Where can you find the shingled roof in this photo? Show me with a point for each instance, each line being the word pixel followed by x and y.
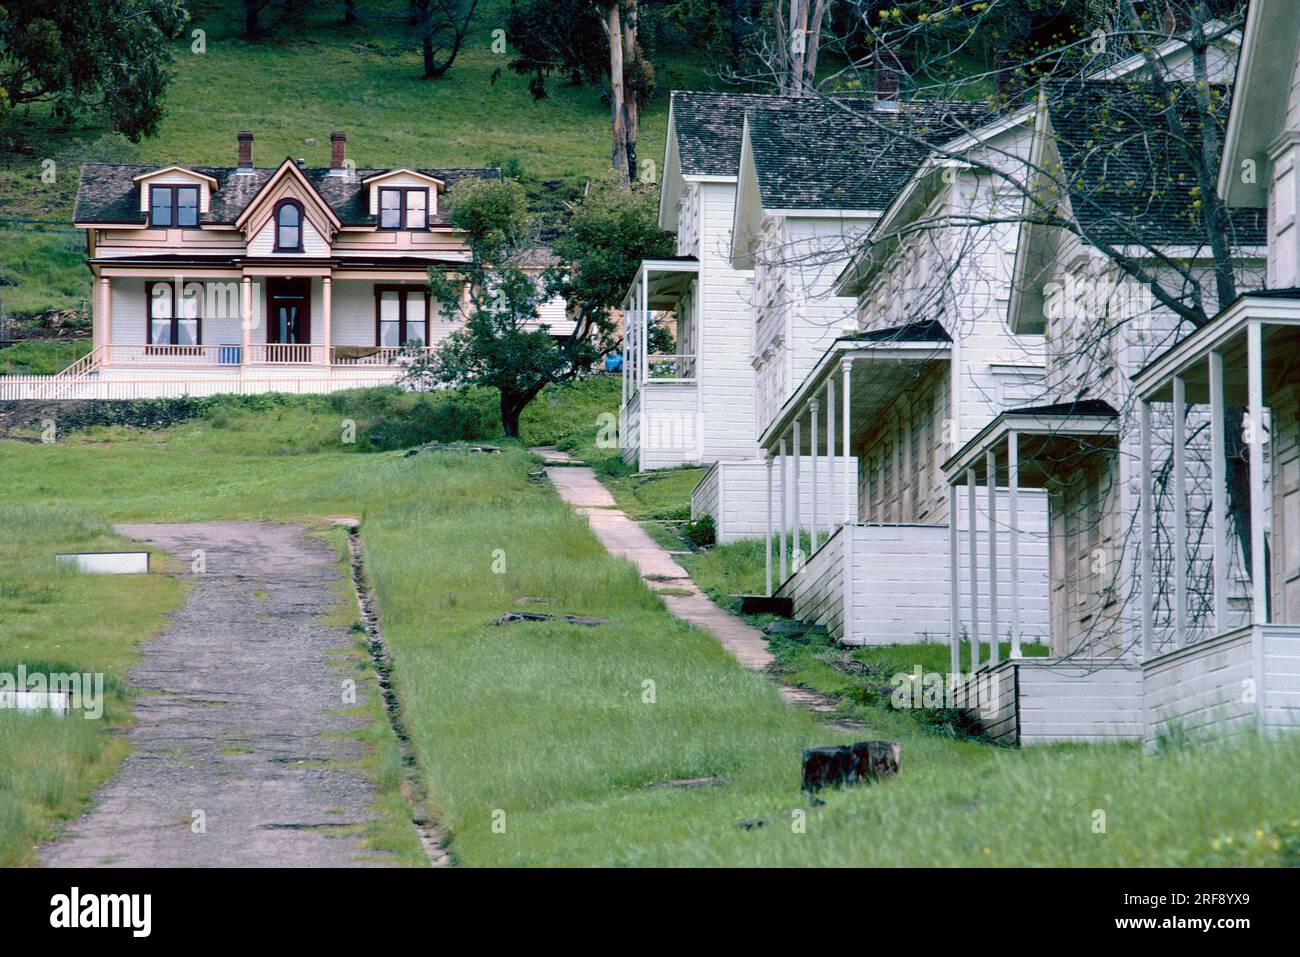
pixel 709 127
pixel 108 193
pixel 1129 178
pixel 847 154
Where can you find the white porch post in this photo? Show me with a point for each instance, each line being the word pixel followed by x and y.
pixel 954 581
pixel 973 518
pixel 767 540
pixel 830 454
pixel 643 338
pixel 104 317
pixel 812 469
pixel 784 486
pixel 846 366
pixel 1148 531
pixel 1218 494
pixel 246 322
pixel 1013 535
pixel 1179 478
pixel 796 548
pixel 327 303
pixel 991 468
pixel 1255 392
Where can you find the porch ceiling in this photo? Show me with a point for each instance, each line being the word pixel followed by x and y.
pixel 1052 444
pixel 1278 311
pixel 878 373
pixel 666 279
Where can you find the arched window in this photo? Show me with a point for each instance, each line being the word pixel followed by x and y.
pixel 288 226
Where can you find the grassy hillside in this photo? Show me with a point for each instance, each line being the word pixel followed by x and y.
pixel 292 90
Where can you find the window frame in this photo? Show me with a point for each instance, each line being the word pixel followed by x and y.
pixel 275 226
pixel 403 225
pixel 174 205
pixel 402 289
pixel 175 319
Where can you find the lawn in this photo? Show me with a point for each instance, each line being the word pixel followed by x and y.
pixel 548 744
pixel 296 88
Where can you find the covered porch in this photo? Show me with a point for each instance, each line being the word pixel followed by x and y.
pixel 659 408
pixel 1244 676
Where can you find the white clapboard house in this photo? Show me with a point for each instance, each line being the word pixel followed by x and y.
pixel 1079 441
pixel 1242 672
pixel 929 361
pixel 253 279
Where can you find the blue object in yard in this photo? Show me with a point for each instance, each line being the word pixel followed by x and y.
pixel 229 355
pixel 613 362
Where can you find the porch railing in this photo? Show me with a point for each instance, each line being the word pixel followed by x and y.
pixel 670 368
pixel 231 354
pixel 377 355
pixel 286 353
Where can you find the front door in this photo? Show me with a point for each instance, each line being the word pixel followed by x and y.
pixel 288 310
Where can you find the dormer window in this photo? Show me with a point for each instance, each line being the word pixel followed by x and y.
pixel 288 226
pixel 173 206
pixel 403 208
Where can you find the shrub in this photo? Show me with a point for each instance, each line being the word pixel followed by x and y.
pixel 701 533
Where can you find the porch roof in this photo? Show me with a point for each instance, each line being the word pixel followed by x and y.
pixel 666 279
pixel 1052 440
pixel 882 364
pixel 1279 312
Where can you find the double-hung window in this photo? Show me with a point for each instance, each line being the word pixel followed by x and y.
pixel 288 226
pixel 403 208
pixel 401 316
pixel 174 315
pixel 173 206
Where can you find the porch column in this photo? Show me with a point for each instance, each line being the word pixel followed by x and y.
pixel 1255 392
pixel 830 454
pixel 991 468
pixel 1148 531
pixel 246 322
pixel 796 548
pixel 1013 535
pixel 1218 494
pixel 846 367
pixel 104 317
pixel 644 338
pixel 812 469
pixel 954 581
pixel 326 302
pixel 1179 478
pixel 973 517
pixel 784 486
pixel 767 540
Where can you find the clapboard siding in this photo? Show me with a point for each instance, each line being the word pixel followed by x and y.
pixel 629 431
pixel 818 589
pixel 991 696
pixel 735 495
pixel 1097 700
pixel 1200 688
pixel 667 435
pixel 1281 691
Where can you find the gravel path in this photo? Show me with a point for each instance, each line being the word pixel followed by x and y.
pixel 237 717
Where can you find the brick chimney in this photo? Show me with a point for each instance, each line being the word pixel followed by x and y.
pixel 245 151
pixel 886 87
pixel 338 153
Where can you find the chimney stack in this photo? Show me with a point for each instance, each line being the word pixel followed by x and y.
pixel 886 88
pixel 245 151
pixel 338 153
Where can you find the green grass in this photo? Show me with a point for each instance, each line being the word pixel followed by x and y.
pixel 544 726
pixel 54 620
pixel 301 85
pixel 41 356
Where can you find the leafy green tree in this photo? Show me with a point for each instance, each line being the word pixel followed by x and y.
pixel 108 57
pixel 502 345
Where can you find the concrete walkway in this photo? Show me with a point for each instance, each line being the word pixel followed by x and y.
pixel 621 536
pixel 239 717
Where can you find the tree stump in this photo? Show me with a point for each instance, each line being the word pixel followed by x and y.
pixel 838 765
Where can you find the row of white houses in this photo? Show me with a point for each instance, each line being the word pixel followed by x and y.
pixel 944 432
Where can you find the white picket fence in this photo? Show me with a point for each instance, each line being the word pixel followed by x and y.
pixel 48 387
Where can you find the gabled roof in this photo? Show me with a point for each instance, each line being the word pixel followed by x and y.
pixel 925 330
pixel 1259 98
pixel 708 128
pixel 1129 178
pixel 177 169
pixel 108 192
pixel 847 154
pixel 288 170
pixel 402 171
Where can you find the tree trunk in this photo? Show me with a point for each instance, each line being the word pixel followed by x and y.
pixel 510 412
pixel 614 30
pixel 631 99
pixel 349 12
pixel 798 45
pixel 252 28
pixel 811 44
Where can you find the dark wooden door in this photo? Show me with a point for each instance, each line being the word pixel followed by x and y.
pixel 288 312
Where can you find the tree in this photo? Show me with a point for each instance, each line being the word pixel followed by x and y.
pixel 108 57
pixel 253 19
pixel 442 26
pixel 556 37
pixel 501 344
